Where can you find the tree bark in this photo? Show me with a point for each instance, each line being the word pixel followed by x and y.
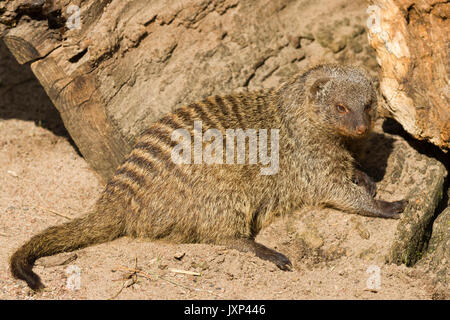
pixel 411 38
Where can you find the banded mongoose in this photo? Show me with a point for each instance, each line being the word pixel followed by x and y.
pixel 318 113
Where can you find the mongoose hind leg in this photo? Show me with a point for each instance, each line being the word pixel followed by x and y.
pixel 261 251
pixel 362 179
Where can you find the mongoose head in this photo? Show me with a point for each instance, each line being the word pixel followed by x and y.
pixel 342 99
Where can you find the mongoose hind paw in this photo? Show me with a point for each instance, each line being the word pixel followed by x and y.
pixel 279 259
pixel 262 252
pixel 283 263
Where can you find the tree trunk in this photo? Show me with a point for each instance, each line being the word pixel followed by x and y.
pixel 411 38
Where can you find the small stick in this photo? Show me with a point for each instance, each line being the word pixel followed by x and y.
pixel 54 212
pixel 185 272
pixel 118 292
pixel 127 283
pixel 148 276
pixel 371 290
pixel 4 235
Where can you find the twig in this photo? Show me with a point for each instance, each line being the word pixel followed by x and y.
pixel 117 293
pixel 54 212
pixel 4 234
pixel 371 290
pixel 148 276
pixel 127 283
pixel 185 272
pixel 130 280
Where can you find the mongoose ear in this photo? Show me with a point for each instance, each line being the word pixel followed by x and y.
pixel 317 86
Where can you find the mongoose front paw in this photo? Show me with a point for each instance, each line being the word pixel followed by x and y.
pixel 393 209
pixel 399 206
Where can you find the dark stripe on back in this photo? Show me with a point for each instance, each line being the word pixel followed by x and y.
pixel 203 116
pixel 260 106
pixel 114 183
pixel 161 134
pixel 134 176
pixel 236 110
pixel 170 122
pixel 154 150
pixel 223 107
pixel 217 112
pixel 185 116
pixel 140 161
pixel 160 154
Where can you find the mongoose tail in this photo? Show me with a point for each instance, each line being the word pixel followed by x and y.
pixel 76 234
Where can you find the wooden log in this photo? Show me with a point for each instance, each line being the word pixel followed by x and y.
pixel 411 38
pixel 28 44
pixel 83 113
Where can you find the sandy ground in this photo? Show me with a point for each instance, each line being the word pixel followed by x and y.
pixel 44 181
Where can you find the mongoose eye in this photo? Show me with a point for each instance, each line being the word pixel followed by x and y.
pixel 367 107
pixel 341 108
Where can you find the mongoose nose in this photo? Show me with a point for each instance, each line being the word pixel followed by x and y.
pixel 361 129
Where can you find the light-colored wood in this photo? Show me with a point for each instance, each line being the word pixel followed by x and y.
pixel 411 38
